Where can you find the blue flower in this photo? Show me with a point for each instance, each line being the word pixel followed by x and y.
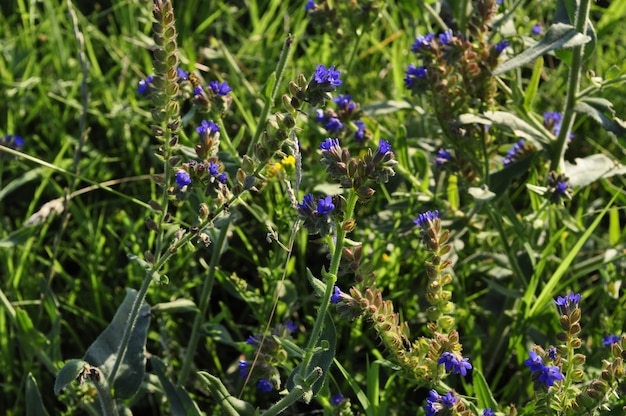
pixel 291 327
pixel 567 304
pixel 264 385
pixel 552 353
pixel 214 169
pixel 414 73
pixel 144 84
pixel 182 178
pixel 422 41
pixel 448 400
pixel 536 29
pixel 336 399
pixel 13 141
pixel 550 374
pixel 207 128
pixel 501 46
pixel 383 147
pixel 329 143
pixel 251 340
pixel 430 408
pixel 243 369
pixel 307 202
pixel 359 134
pixel 561 187
pixel 197 90
pixel 513 152
pixel 535 363
pixel 424 220
pixel 336 296
pixel 330 75
pixel 222 177
pixel 449 360
pixel 488 412
pixel 445 37
pixel 552 120
pixel 462 367
pixel 325 205
pixel 182 74
pixel 333 124
pixel 344 102
pixel 310 4
pixel 611 339
pixel 443 156
pixel 220 89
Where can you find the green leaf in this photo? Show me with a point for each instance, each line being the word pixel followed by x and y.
pixel 230 404
pixel 179 400
pixel 591 168
pixel 381 108
pixel 266 91
pixel 103 352
pixel 67 374
pixel 595 109
pixel 509 121
pixel 558 36
pixel 533 84
pixel 318 286
pixel 34 403
pixel 483 393
pixel 176 306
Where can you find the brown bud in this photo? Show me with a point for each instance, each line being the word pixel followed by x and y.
pixel 149 256
pixel 151 225
pixel 155 205
pixel 348 225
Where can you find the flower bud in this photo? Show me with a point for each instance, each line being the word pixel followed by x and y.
pixel 203 211
pixel 151 225
pixel 577 375
pixel 348 225
pixel 579 359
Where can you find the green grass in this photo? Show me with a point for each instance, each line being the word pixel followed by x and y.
pixel 63 278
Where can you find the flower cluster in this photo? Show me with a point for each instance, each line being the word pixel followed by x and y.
pixel 317 217
pixel 344 121
pixel 552 121
pixel 216 94
pixel 518 151
pixel 545 375
pixel 435 402
pixel 269 358
pixel 452 363
pixel 376 166
pixel 558 188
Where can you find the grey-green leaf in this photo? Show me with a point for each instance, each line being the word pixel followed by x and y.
pixel 591 168
pixel 595 109
pixel 179 400
pixel 34 403
pixel 67 374
pixel 103 352
pixel 558 36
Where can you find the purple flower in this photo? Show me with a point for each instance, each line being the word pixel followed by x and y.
pixel 329 143
pixel 214 169
pixel 433 396
pixel 536 29
pixel 488 412
pixel 222 177
pixel 251 340
pixel 535 363
pixel 430 408
pixel 501 46
pixel 550 374
pixel 414 73
pixel 336 296
pixel 513 152
pixel 561 187
pixel 336 399
pixel 310 4
pixel 220 89
pixel 422 41
pixel 182 178
pixel 611 339
pixel 359 134
pixel 424 219
pixel 197 90
pixel 344 102
pixel 207 128
pixel 449 360
pixel 445 37
pixel 291 327
pixel 462 367
pixel 330 75
pixel 13 141
pixel 567 304
pixel 443 156
pixel 383 147
pixel 448 400
pixel 182 74
pixel 144 85
pixel 333 124
pixel 325 205
pixel 307 202
pixel 552 353
pixel 264 385
pixel 243 369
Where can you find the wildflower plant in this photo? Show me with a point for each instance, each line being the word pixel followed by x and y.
pixel 341 208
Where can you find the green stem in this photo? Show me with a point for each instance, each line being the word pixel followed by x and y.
pixel 269 101
pixel 295 394
pixel 204 306
pixel 574 77
pixel 331 279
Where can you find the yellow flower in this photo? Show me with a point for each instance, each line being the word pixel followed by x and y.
pixel 288 164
